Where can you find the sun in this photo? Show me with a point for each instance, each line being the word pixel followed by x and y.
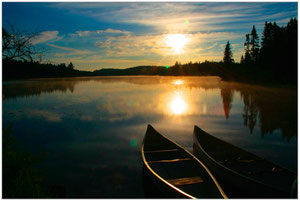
pixel 176 42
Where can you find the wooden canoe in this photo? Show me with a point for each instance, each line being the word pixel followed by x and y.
pixel 174 171
pixel 240 173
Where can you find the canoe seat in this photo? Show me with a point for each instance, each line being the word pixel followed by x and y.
pixel 170 161
pixel 158 151
pixel 185 181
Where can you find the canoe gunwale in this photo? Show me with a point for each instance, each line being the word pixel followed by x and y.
pixel 198 145
pixel 167 183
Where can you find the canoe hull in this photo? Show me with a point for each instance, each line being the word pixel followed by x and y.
pixel 235 185
pixel 174 172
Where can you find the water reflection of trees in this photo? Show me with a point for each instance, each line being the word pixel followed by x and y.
pixel 250 110
pixel 227 96
pixel 36 87
pixel 272 108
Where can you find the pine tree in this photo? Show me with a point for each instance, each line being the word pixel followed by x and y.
pixel 247 43
pixel 254 43
pixel 247 58
pixel 292 48
pixel 242 60
pixel 267 36
pixel 267 44
pixel 70 66
pixel 227 59
pixel 176 64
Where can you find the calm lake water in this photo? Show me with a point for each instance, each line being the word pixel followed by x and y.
pixel 93 128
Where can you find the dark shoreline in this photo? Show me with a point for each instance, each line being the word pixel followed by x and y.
pixel 256 83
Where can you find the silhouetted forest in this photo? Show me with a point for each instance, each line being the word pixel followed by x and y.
pixel 17 69
pixel 199 69
pixel 273 60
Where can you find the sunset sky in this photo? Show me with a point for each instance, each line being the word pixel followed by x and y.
pixel 119 35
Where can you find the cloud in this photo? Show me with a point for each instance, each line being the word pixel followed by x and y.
pixel 97 59
pixel 212 46
pixel 139 45
pixel 82 33
pixel 114 31
pixel 216 36
pixel 170 16
pixel 45 36
pixel 72 51
pixel 109 31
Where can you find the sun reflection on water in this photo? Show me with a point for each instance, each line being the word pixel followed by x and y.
pixel 178 105
pixel 178 82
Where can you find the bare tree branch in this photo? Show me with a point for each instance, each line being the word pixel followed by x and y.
pixel 18 45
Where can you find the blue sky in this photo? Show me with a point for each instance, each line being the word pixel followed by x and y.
pixel 99 35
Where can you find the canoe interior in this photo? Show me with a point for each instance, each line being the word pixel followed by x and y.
pixel 245 163
pixel 174 165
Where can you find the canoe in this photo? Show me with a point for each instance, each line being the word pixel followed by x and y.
pixel 240 173
pixel 174 171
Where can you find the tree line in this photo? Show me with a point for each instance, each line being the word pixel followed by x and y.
pixel 18 69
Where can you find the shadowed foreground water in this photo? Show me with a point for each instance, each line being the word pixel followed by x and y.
pixel 92 128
